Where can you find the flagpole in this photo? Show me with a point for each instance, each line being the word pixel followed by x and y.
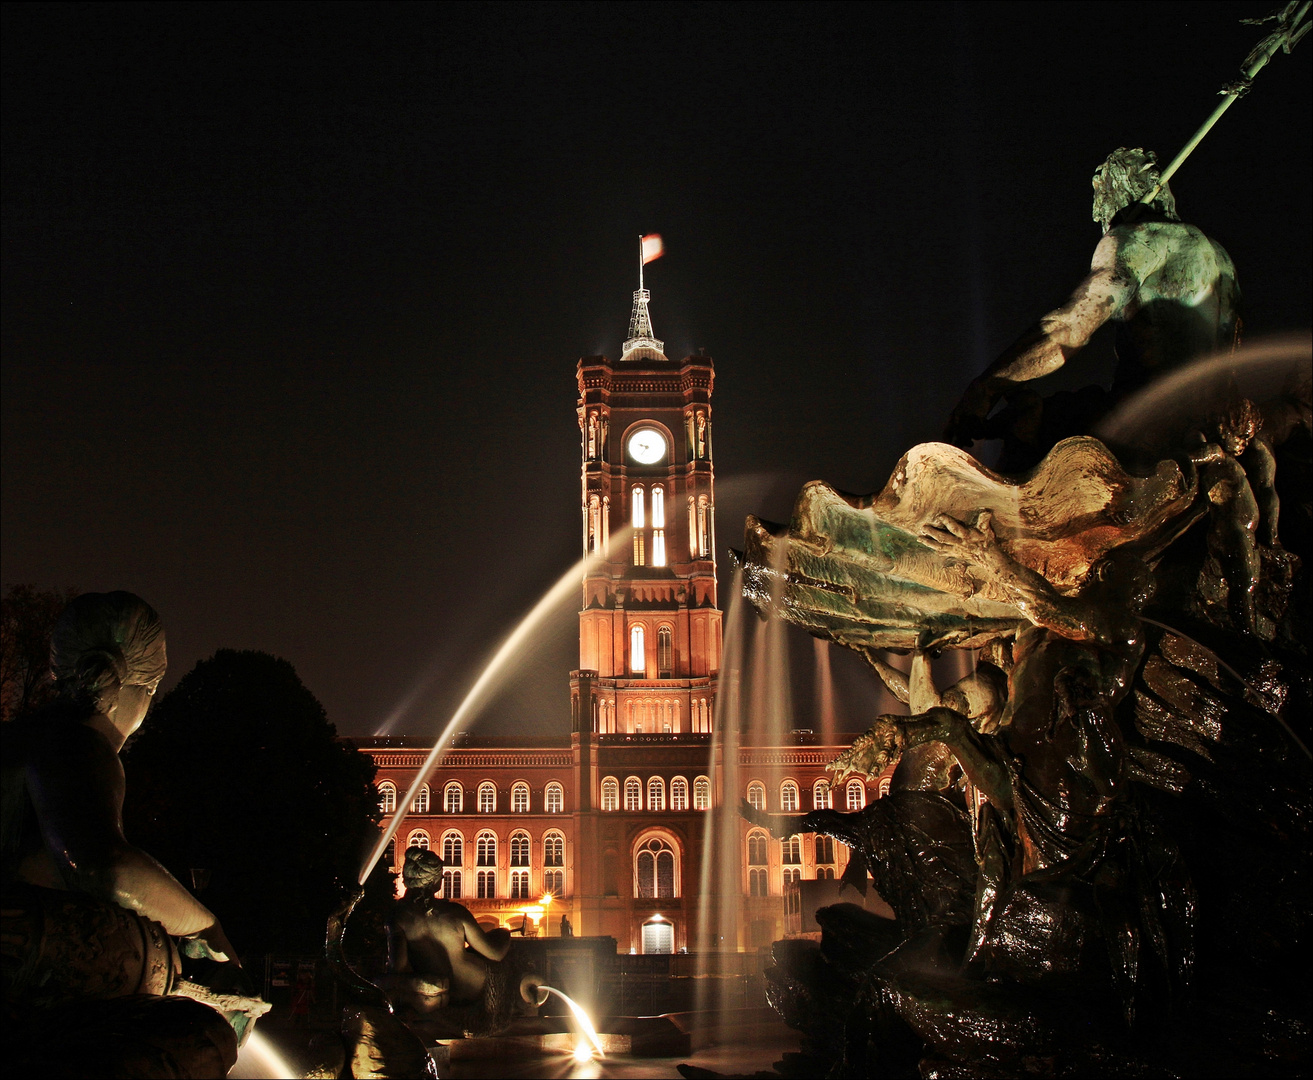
pixel 640 262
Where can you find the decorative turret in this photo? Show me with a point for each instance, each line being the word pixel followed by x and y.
pixel 641 344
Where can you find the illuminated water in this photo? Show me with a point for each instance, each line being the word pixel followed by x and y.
pixel 258 1060
pixel 491 679
pixel 583 1051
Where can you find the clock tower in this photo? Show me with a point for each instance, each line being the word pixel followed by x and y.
pixel 649 630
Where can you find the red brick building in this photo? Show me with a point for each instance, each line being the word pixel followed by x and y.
pixel 610 820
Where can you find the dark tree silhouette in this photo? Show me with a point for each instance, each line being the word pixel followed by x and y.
pixel 27 616
pixel 237 773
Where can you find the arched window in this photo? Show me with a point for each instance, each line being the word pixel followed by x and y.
pixel 451 884
pixel 656 793
pixel 519 884
pixel 704 545
pixel 824 850
pixel 679 794
pixel 420 803
pixel 758 883
pixel 665 651
pixel 553 849
pixel 789 797
pixel 883 789
pixel 821 799
pixel 519 849
pixel 791 851
pixel 610 793
pixel 658 507
pixel 825 873
pixel 757 795
pixel 554 883
pixel 702 793
pixel 520 798
pixel 487 797
pixel 633 793
pixel 453 798
pixel 487 884
pixel 638 516
pixel 387 797
pixel 655 866
pixel 856 792
pixel 757 848
pixel 554 798
pixel 792 875
pixel 419 838
pixel 485 848
pixel 637 650
pixel 453 849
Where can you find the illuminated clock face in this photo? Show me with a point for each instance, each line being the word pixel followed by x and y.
pixel 646 446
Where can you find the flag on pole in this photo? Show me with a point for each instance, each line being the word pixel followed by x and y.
pixel 652 248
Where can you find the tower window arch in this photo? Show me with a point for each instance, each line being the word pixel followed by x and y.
pixel 420 803
pixel 679 794
pixel 637 507
pixel 757 795
pixel 702 793
pixel 487 797
pixel 856 794
pixel 637 649
pixel 610 793
pixel 554 798
pixel 656 793
pixel 387 797
pixel 789 797
pixel 633 793
pixel 658 507
pixel 655 869
pixel 520 798
pixel 665 651
pixel 453 798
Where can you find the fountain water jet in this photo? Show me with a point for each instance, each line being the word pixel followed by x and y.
pixel 581 1018
pixel 258 1058
pixel 480 692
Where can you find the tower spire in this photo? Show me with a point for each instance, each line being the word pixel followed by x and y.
pixel 641 344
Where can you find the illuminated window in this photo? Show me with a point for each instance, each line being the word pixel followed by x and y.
pixel 791 851
pixel 637 650
pixel 821 798
pixel 520 798
pixel 757 795
pixel 633 793
pixel 486 850
pixel 757 881
pixel 856 792
pixel 665 651
pixel 824 850
pixel 387 797
pixel 487 884
pixel 658 547
pixel 703 543
pixel 453 798
pixel 792 877
pixel 453 849
pixel 553 849
pixel 639 558
pixel 487 797
pixel 655 864
pixel 451 884
pixel 656 793
pixel 520 849
pixel 419 838
pixel 678 794
pixel 757 849
pixel 789 797
pixel 825 873
pixel 554 882
pixel 420 803
pixel 519 884
pixel 637 518
pixel 610 793
pixel 701 793
pixel 658 506
pixel 554 798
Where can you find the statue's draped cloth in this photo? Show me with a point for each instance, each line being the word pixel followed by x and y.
pixel 859 575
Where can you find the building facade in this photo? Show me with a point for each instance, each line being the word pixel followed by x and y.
pixel 610 822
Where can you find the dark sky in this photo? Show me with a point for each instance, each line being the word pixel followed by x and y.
pixel 293 294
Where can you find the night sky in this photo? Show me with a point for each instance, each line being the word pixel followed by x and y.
pixel 293 294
